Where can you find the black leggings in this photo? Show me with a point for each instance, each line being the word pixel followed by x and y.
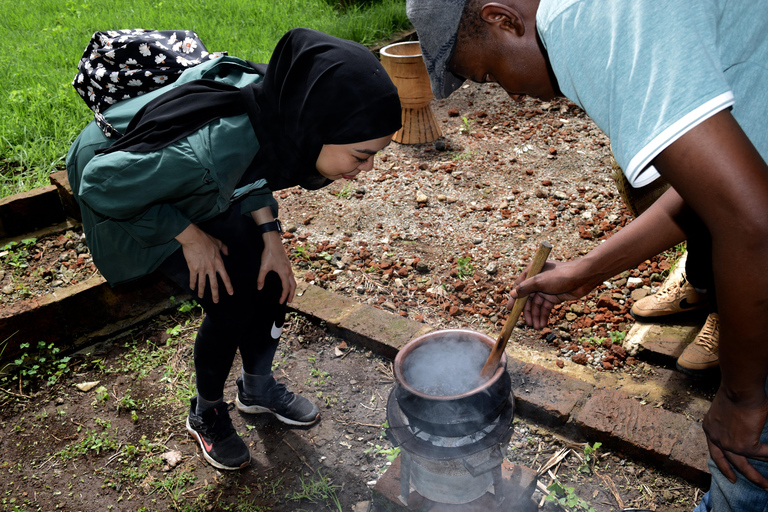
pixel 250 320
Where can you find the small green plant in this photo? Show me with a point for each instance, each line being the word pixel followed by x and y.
pixel 465 269
pixel 347 191
pixel 16 253
pixel 42 364
pixel 319 489
pixel 188 306
pixel 617 337
pixel 102 395
pixel 390 453
pixel 302 252
pixel 464 128
pixel 590 458
pixel 567 498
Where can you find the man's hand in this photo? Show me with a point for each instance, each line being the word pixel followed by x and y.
pixel 733 434
pixel 556 283
pixel 203 254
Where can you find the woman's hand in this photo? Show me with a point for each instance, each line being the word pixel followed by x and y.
pixel 203 254
pixel 556 283
pixel 275 259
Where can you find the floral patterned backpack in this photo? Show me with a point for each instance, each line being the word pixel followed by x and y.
pixel 121 64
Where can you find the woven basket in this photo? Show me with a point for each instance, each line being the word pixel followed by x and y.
pixel 637 200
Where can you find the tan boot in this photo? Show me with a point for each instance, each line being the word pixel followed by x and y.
pixel 675 297
pixel 703 352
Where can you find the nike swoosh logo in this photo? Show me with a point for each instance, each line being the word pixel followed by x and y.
pixel 208 446
pixel 276 331
pixel 684 304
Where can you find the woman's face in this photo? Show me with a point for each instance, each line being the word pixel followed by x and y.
pixel 338 161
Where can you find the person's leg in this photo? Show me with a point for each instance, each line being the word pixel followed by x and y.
pixel 218 338
pixel 702 356
pixel 698 265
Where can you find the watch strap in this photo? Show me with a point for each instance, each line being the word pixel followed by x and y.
pixel 271 226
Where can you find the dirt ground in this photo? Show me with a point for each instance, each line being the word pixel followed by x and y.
pixel 437 232
pixel 122 444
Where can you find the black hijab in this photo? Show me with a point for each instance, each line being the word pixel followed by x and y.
pixel 317 89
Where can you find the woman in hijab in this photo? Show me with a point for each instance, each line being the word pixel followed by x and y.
pixel 188 190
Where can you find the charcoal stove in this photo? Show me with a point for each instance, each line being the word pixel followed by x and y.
pixel 450 446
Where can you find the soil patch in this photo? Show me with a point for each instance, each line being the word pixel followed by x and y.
pixel 122 444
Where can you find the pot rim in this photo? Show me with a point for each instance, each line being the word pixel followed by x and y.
pixel 385 50
pixel 428 337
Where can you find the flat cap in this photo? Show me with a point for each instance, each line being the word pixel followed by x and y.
pixel 436 23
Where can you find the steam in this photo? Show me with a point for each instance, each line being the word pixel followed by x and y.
pixel 446 366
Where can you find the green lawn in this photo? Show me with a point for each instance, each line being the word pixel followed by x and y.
pixel 43 40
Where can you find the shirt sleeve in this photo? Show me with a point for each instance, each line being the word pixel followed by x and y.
pixel 645 72
pixel 153 196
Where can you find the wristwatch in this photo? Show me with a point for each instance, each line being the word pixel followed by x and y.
pixel 271 226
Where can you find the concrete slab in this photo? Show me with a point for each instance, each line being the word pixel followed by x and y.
pixel 373 328
pixel 545 396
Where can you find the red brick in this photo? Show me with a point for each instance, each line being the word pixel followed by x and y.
pixel 622 422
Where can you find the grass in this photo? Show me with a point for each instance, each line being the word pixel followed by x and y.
pixel 43 40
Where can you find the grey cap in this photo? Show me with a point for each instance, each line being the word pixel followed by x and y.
pixel 436 23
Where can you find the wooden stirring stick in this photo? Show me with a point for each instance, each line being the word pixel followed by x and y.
pixel 501 343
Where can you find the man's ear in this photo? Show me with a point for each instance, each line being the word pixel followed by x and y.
pixel 501 16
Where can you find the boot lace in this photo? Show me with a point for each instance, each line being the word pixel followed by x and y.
pixel 710 333
pixel 671 289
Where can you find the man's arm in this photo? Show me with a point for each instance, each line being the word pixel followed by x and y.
pixel 721 176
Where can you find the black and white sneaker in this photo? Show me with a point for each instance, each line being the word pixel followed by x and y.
pixel 288 407
pixel 221 445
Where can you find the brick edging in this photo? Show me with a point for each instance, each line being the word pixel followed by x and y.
pixel 566 404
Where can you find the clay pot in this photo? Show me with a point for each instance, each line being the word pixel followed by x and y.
pixel 451 415
pixel 405 66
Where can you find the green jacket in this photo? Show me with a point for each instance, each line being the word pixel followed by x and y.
pixel 134 204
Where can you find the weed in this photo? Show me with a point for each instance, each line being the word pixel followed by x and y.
pixel 590 459
pixel 189 306
pixel 617 337
pixel 319 489
pixel 301 252
pixel 390 453
pixel 566 498
pixel 462 156
pixel 101 396
pixel 42 364
pixel 92 442
pixel 347 191
pixel 464 128
pixel 466 269
pixel 175 484
pixel 16 253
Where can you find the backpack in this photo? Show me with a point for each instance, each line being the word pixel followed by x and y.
pixel 121 64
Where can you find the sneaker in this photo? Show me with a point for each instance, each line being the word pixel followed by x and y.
pixel 288 407
pixel 702 354
pixel 675 297
pixel 221 445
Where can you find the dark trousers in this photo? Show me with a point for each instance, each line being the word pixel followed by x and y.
pixel 246 320
pixel 698 264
